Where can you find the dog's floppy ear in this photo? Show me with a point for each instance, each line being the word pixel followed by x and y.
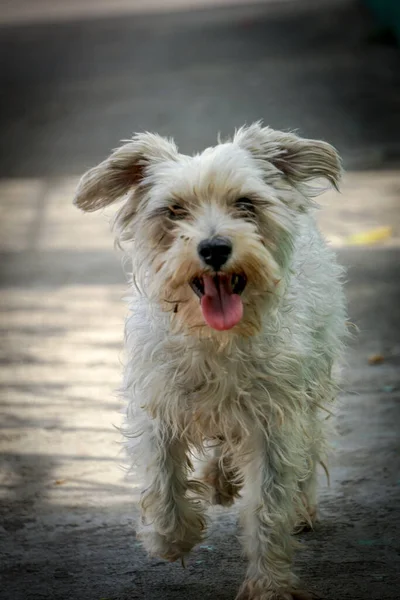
pixel 299 160
pixel 123 170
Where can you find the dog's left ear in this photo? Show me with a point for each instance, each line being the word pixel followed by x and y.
pixel 299 160
pixel 123 171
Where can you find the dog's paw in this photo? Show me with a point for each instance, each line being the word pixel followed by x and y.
pixel 159 545
pixel 258 590
pixel 223 487
pixel 308 522
pixel 168 547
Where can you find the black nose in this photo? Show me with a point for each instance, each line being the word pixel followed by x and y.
pixel 215 251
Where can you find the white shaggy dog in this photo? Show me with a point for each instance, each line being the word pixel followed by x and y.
pixel 237 317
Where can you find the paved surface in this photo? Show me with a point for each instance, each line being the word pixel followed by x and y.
pixel 70 91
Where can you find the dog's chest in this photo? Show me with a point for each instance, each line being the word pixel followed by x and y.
pixel 215 400
pixel 209 414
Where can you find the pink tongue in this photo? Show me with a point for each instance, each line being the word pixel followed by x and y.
pixel 221 308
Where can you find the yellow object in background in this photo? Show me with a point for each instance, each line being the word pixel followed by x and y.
pixel 376 359
pixel 373 236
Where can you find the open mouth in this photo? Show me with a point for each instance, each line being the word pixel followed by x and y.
pixel 235 282
pixel 220 299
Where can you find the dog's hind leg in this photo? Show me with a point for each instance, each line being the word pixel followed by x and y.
pixel 172 512
pixel 308 516
pixel 309 513
pixel 222 477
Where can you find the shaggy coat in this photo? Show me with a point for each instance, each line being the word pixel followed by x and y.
pixel 237 360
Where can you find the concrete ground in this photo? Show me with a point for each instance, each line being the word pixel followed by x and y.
pixel 70 91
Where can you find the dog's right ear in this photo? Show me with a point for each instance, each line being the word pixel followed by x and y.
pixel 123 171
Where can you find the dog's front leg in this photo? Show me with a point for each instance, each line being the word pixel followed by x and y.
pixel 271 489
pixel 172 517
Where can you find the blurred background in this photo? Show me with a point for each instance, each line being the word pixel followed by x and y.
pixel 76 78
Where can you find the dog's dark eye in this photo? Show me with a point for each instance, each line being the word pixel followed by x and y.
pixel 245 205
pixel 176 212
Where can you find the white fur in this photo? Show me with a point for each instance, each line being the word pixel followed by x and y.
pixel 256 392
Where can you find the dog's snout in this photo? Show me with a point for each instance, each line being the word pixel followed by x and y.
pixel 215 251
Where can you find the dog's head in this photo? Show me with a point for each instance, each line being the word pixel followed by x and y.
pixel 212 234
